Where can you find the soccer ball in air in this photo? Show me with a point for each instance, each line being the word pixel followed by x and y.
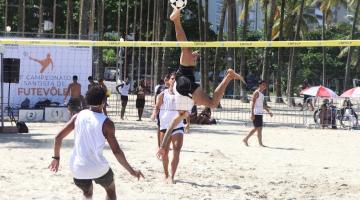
pixel 179 4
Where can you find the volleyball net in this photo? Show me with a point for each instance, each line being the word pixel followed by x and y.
pixel 42 69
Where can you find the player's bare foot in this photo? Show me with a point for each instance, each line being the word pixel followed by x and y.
pixel 262 145
pixel 231 74
pixel 245 142
pixel 175 15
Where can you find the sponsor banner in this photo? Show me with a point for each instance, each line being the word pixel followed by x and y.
pixel 46 72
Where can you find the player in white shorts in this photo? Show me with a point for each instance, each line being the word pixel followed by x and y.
pixel 187 92
pixel 165 106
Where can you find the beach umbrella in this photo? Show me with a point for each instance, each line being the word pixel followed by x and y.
pixel 354 92
pixel 319 91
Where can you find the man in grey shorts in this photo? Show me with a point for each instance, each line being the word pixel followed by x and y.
pixel 87 163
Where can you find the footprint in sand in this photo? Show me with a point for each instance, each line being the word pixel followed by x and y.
pixel 218 154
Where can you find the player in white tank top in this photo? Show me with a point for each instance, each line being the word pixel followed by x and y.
pixel 257 110
pixel 91 130
pixel 166 105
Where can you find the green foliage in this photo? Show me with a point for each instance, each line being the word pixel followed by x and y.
pixel 109 57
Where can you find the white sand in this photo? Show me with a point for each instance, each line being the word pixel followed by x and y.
pixel 301 164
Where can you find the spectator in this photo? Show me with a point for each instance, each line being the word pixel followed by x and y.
pixel 107 93
pixel 124 92
pixel 140 99
pixel 307 98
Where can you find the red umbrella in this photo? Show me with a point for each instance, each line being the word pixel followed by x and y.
pixel 319 91
pixel 354 92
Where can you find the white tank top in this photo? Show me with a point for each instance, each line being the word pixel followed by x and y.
pixel 168 111
pixel 87 160
pixel 259 104
pixel 124 90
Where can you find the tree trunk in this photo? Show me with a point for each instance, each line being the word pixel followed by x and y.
pixel 126 33
pixel 54 19
pixel 154 28
pixel 92 20
pixel 147 39
pixel 85 6
pixel 231 37
pixel 280 68
pixel 21 21
pixel 158 38
pixel 69 20
pixel 206 50
pixel 41 19
pixel 267 52
pixel 323 49
pixel 219 38
pixel 134 49
pixel 201 38
pixel 118 18
pixel 348 60
pixel 243 94
pixel 168 26
pixel 290 83
pixel 100 27
pixel 140 39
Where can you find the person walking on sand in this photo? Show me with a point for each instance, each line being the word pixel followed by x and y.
pixel 140 99
pixel 257 109
pixel 87 163
pixel 124 92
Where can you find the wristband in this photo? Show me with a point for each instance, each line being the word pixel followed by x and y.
pixel 56 157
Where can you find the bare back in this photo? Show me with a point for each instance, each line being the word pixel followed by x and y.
pixel 75 90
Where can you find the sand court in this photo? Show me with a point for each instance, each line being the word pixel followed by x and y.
pixel 214 164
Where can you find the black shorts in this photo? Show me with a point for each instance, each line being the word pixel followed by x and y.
pixel 124 98
pixel 185 81
pixel 104 181
pixel 74 104
pixel 140 103
pixel 174 130
pixel 258 121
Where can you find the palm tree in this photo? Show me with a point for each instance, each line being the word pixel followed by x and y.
pixel 201 38
pixel 168 27
pixel 325 7
pixel 219 38
pixel 118 17
pixel 85 6
pixel 245 18
pixel 291 70
pixel 69 21
pixel 126 33
pixel 147 39
pixel 267 52
pixel 92 18
pixel 232 37
pixel 140 38
pixel 280 56
pixel 100 26
pixel 5 13
pixel 134 26
pixel 348 60
pixel 206 51
pixel 21 21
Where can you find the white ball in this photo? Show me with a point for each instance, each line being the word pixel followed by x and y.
pixel 178 4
